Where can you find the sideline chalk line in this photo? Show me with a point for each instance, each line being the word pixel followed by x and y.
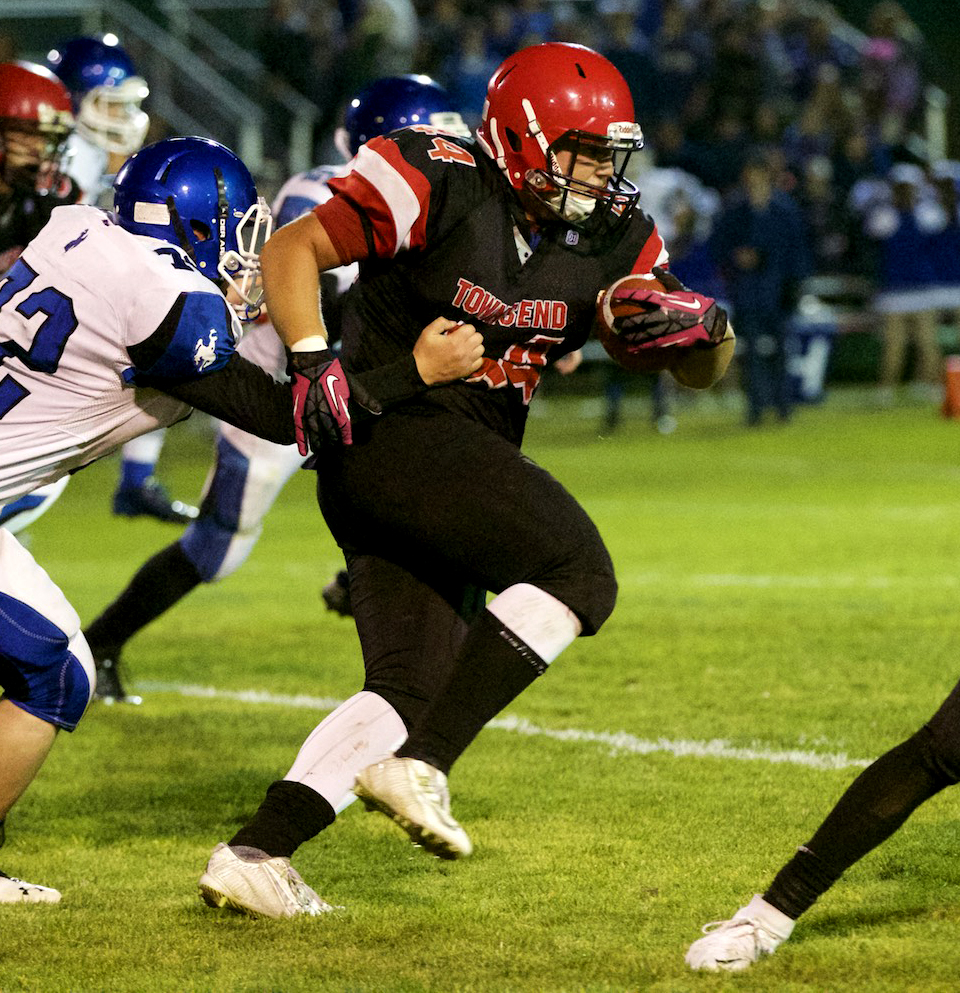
pixel 617 742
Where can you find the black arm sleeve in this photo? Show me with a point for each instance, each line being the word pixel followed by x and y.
pixel 390 384
pixel 243 395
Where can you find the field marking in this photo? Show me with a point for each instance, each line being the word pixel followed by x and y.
pixel 783 581
pixel 617 742
pixel 916 512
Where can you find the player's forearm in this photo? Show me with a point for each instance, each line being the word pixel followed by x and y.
pixel 291 262
pixel 700 368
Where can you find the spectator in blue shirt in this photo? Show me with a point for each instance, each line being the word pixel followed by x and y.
pixel 760 244
pixel 902 230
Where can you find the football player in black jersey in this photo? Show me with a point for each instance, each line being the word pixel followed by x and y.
pixel 36 117
pixel 506 241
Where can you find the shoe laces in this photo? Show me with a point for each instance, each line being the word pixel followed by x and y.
pixel 434 786
pixel 712 926
pixel 751 930
pixel 302 894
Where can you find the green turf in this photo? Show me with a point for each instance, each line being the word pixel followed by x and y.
pixel 790 591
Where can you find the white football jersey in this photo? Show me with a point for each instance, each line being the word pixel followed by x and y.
pixel 92 320
pixel 86 164
pixel 302 192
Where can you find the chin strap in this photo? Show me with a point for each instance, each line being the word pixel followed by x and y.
pixel 180 230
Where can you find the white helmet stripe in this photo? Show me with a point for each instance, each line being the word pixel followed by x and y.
pixel 498 144
pixel 534 125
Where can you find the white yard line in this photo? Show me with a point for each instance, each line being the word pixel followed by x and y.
pixel 615 742
pixel 782 581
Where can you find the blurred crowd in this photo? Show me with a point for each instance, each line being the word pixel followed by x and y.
pixel 782 143
pixel 835 112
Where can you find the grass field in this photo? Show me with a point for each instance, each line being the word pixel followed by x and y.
pixel 788 610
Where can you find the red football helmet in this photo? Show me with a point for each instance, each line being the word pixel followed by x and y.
pixel 560 96
pixel 35 118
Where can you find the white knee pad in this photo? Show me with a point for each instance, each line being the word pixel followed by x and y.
pixel 540 620
pixel 24 580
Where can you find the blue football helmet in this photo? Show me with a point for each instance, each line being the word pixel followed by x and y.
pixel 397 102
pixel 107 93
pixel 195 193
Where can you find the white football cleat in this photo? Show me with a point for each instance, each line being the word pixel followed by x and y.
pixel 251 882
pixel 755 930
pixel 17 891
pixel 414 794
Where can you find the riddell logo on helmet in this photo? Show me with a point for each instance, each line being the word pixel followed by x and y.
pixel 481 303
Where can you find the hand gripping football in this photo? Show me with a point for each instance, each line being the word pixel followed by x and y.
pixel 641 312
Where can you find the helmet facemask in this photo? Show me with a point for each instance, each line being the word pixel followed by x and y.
pixel 33 150
pixel 231 247
pixel 584 180
pixel 240 266
pixel 111 116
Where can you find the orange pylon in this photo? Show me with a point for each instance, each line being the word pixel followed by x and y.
pixel 951 393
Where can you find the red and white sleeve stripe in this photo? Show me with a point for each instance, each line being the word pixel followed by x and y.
pixel 391 193
pixel 654 252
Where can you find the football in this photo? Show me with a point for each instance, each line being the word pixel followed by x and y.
pixel 647 360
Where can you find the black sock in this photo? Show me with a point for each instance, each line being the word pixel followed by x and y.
pixel 877 802
pixel 157 586
pixel 493 667
pixel 797 885
pixel 290 814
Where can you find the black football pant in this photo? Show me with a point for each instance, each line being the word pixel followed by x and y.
pixel 432 511
pixel 878 801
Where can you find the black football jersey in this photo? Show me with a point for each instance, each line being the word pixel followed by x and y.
pixel 24 214
pixel 441 228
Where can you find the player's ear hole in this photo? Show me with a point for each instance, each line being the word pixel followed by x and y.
pixel 201 230
pixel 514 139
